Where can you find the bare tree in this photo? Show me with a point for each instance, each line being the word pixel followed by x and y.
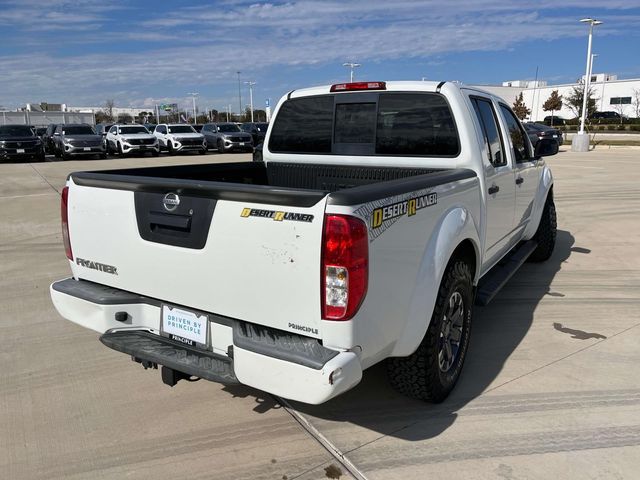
pixel 619 108
pixel 108 108
pixel 636 101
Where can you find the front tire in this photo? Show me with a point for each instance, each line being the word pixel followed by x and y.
pixel 546 234
pixel 170 148
pixel 220 146
pixel 431 372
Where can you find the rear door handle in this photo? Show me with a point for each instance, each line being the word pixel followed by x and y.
pixel 493 189
pixel 519 181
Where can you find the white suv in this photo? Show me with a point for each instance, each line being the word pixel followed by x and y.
pixel 180 137
pixel 127 139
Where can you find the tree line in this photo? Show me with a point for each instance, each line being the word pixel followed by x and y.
pixel 574 102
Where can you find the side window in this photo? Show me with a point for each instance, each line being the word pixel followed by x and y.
pixel 488 121
pixel 162 129
pixel 112 130
pixel 517 135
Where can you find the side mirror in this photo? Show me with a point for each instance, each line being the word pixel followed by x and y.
pixel 546 147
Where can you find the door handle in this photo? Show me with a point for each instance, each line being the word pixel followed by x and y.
pixel 493 189
pixel 519 181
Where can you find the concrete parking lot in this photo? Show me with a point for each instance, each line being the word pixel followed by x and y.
pixel 550 389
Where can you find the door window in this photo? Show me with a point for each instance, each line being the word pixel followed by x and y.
pixel 517 135
pixel 489 123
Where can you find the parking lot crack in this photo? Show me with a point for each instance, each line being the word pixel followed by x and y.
pixel 43 178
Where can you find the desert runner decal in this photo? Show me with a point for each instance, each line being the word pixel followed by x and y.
pixel 278 216
pixel 406 207
pixel 381 214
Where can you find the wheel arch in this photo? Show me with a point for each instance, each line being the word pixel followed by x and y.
pixel 456 236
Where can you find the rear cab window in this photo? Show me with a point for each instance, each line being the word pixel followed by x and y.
pixel 383 124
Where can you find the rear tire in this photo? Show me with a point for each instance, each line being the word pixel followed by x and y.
pixel 431 372
pixel 546 234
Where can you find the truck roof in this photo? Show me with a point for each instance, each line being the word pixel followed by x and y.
pixel 391 86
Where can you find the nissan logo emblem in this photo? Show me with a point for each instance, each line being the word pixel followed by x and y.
pixel 171 202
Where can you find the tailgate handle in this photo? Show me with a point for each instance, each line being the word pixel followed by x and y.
pixel 159 220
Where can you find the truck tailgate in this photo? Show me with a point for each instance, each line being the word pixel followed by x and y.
pixel 251 261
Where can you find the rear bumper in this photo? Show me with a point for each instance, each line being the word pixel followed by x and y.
pixel 284 364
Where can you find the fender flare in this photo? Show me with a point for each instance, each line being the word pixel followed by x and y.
pixel 456 226
pixel 544 187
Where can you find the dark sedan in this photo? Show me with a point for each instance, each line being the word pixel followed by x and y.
pixel 19 142
pixel 256 129
pixel 537 132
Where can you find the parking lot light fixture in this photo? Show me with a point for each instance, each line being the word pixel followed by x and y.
pixel 585 96
pixel 351 66
pixel 239 95
pixel 251 84
pixel 193 97
pixel 580 141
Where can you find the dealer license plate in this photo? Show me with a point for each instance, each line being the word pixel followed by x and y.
pixel 184 326
pixel 555 136
pixel 242 144
pixel 87 149
pixel 20 150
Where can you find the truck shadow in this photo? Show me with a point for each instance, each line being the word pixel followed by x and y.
pixel 497 331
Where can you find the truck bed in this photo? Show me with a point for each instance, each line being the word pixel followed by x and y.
pixel 293 184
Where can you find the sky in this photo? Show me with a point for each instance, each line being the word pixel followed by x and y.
pixel 140 52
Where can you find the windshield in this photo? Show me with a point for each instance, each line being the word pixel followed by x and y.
pixel 181 129
pixel 228 127
pixel 134 129
pixel 78 130
pixel 16 131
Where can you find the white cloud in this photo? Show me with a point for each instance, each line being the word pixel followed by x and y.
pixel 206 45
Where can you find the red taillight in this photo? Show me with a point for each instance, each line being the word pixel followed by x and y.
pixel 65 222
pixel 345 87
pixel 345 266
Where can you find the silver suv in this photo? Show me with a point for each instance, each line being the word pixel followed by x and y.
pixel 227 137
pixel 77 139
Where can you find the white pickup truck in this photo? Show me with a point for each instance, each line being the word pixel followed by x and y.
pixel 381 213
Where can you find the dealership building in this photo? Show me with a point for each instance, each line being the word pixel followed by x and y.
pixel 611 93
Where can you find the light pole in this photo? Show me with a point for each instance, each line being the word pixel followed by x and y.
pixel 193 97
pixel 351 66
pixel 239 95
pixel 251 84
pixel 592 22
pixel 580 141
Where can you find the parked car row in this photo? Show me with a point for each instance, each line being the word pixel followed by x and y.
pixel 80 140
